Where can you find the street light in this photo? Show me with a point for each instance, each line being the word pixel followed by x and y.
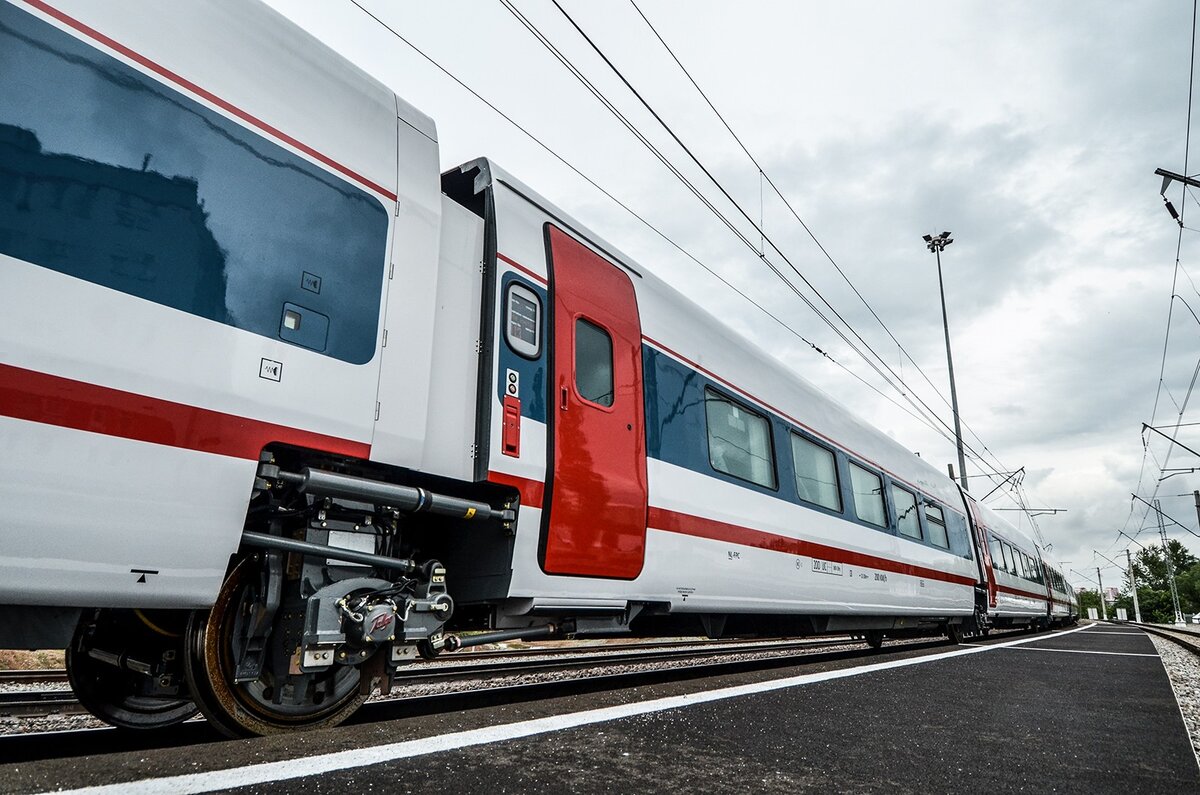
pixel 937 245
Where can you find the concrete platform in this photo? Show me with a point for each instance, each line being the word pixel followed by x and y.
pixel 1083 711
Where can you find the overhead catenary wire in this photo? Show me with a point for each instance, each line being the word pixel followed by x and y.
pixel 795 214
pixel 658 154
pixel 567 63
pixel 1146 454
pixel 644 221
pixel 578 172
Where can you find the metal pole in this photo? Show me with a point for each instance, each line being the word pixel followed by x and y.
pixel 1162 531
pixel 962 460
pixel 1137 609
pixel 1103 607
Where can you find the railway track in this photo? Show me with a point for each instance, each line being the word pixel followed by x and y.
pixel 34 675
pixel 1188 640
pixel 465 667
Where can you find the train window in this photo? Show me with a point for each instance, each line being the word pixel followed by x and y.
pixel 907 520
pixel 1006 557
pixel 868 496
pixel 816 474
pixel 523 321
pixel 997 552
pixel 739 441
pixel 935 520
pixel 1010 559
pixel 187 209
pixel 593 363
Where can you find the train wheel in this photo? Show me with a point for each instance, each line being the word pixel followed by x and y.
pixel 123 666
pixel 875 639
pixel 955 633
pixel 273 703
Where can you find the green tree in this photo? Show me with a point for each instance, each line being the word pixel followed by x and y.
pixel 1154 590
pixel 1089 599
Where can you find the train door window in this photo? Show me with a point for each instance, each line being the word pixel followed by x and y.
pixel 935 520
pixel 523 321
pixel 868 496
pixel 739 441
pixel 816 474
pixel 593 363
pixel 908 522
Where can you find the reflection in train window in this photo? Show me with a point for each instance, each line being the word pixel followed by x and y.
pixel 936 522
pixel 162 198
pixel 816 474
pixel 739 441
pixel 868 496
pixel 593 363
pixel 907 519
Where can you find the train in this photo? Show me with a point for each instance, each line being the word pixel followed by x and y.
pixel 284 408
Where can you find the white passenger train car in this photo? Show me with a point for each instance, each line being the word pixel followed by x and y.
pixel 283 408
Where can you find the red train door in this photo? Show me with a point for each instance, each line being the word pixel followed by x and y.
pixel 985 551
pixel 595 524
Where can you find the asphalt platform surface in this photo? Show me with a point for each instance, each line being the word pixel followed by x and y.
pixel 1085 711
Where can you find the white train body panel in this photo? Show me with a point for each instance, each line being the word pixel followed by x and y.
pixel 145 420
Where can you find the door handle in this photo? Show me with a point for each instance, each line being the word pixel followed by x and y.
pixel 562 398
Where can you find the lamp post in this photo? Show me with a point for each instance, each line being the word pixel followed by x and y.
pixel 937 245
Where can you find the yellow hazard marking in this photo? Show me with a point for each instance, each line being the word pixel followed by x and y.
pixel 470 513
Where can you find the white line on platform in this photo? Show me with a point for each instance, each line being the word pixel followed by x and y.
pixel 1110 632
pixel 267 772
pixel 1084 651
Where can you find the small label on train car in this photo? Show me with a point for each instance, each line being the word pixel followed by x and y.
pixel 827 567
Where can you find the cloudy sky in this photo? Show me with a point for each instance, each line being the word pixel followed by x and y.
pixel 1029 130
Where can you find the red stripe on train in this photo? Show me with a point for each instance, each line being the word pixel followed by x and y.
pixel 228 107
pixel 533 493
pixel 1019 592
pixel 699 527
pixel 53 400
pixel 537 277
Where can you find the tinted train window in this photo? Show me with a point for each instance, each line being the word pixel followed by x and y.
pixel 868 496
pixel 907 519
pixel 593 363
pixel 997 553
pixel 816 474
pixel 936 522
pixel 739 441
pixel 1010 559
pixel 160 197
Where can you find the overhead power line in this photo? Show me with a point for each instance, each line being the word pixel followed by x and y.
pixel 566 62
pixel 607 194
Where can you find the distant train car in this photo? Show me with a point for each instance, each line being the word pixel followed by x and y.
pixel 1019 592
pixel 284 409
pixel 1064 608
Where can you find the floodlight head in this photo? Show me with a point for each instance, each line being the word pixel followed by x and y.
pixel 944 235
pixel 947 241
pixel 927 238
